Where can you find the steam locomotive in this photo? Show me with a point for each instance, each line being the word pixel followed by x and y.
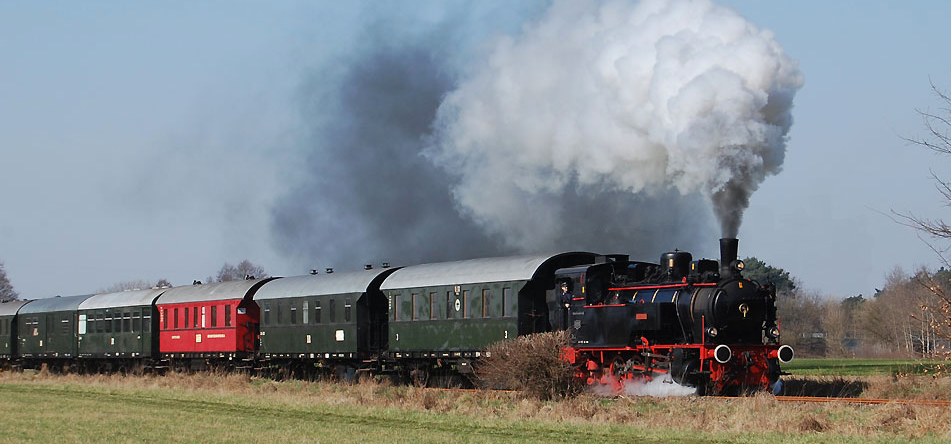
pixel 698 323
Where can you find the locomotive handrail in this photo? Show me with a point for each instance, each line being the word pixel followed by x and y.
pixel 655 287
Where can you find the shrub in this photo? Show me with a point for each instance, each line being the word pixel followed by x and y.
pixel 532 364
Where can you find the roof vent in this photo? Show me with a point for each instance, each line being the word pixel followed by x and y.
pixel 248 277
pixel 368 267
pixel 196 282
pixel 313 271
pixel 329 270
pixel 386 265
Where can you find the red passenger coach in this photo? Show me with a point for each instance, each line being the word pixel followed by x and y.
pixel 209 321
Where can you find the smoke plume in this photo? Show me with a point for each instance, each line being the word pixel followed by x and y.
pixel 580 125
pixel 616 97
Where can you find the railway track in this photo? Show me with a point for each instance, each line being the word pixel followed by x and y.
pixel 929 402
pixel 804 399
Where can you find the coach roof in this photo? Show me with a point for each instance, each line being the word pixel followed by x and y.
pixel 9 308
pixel 321 284
pixel 131 298
pixel 220 291
pixel 472 271
pixel 58 303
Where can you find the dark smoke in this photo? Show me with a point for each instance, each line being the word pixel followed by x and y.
pixel 366 195
pixel 388 171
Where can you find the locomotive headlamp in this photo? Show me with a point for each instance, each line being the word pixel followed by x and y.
pixel 739 265
pixel 712 332
pixel 773 332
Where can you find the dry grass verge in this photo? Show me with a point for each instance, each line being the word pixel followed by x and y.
pixel 759 418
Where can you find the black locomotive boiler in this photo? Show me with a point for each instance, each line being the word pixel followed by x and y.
pixel 695 322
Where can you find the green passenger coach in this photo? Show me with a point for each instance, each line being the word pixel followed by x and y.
pixel 318 317
pixel 119 325
pixel 457 309
pixel 47 328
pixel 8 328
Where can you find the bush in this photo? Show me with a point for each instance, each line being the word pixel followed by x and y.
pixel 532 364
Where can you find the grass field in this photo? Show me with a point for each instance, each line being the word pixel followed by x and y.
pixel 230 408
pixel 861 367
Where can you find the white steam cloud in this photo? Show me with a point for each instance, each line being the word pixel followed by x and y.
pixel 658 387
pixel 615 96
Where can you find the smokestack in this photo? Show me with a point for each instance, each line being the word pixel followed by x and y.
pixel 728 252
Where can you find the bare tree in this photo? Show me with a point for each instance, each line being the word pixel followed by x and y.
pixel 243 270
pixel 136 284
pixel 162 283
pixel 835 325
pixel 7 293
pixel 893 321
pixel 936 306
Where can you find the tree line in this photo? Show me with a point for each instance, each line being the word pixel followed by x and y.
pixel 905 318
pixel 227 272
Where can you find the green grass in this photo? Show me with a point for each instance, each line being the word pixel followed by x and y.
pixel 860 367
pixel 211 409
pixel 76 413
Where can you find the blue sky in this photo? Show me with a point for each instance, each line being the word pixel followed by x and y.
pixel 139 141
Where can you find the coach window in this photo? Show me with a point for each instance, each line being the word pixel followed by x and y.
pixel 227 315
pixel 267 314
pixel 147 319
pixel 396 307
pixel 346 310
pixel 136 321
pixel 506 300
pixel 195 317
pixel 108 321
pixel 304 314
pixel 214 316
pixel 465 303
pixel 316 312
pixel 65 323
pixel 175 319
pixel 117 318
pixel 432 305
pixel 485 303
pixel 293 312
pixel 280 319
pixel 186 317
pixel 333 311
pixel 203 317
pixel 127 321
